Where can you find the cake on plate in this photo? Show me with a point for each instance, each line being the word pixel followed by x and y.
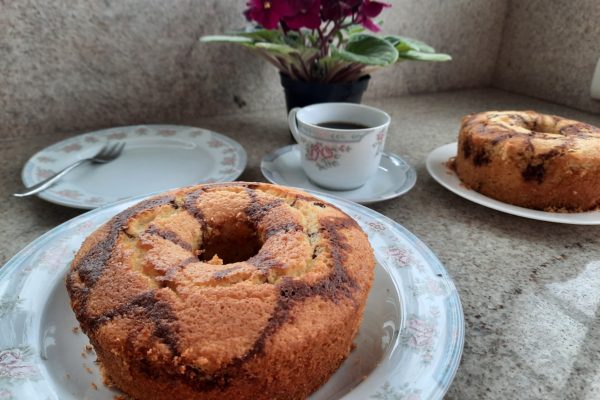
pixel 530 160
pixel 235 290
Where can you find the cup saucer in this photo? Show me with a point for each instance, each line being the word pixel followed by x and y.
pixel 393 178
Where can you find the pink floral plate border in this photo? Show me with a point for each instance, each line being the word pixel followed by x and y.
pixel 419 344
pixel 229 155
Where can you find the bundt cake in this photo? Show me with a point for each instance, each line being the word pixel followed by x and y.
pixel 531 160
pixel 223 291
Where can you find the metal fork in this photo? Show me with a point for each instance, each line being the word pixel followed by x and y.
pixel 106 154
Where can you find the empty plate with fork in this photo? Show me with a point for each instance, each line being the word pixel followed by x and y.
pixel 144 159
pixel 108 153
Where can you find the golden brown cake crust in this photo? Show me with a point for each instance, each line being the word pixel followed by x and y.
pixel 531 160
pixel 240 290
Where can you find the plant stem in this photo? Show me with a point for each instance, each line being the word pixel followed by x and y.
pixel 334 70
pixel 351 73
pixel 305 71
pixel 322 43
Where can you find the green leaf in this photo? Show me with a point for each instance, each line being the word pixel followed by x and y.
pixel 367 49
pixel 354 29
pixel 330 62
pixel 402 43
pixel 226 39
pixel 418 45
pixel 264 35
pixel 339 35
pixel 412 49
pixel 293 39
pixel 396 41
pixel 418 56
pixel 276 48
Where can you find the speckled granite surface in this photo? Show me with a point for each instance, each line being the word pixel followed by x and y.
pixel 550 49
pixel 530 290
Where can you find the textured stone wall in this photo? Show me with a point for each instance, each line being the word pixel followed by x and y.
pixel 469 30
pixel 550 50
pixel 72 65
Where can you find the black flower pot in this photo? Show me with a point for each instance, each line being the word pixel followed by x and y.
pixel 300 94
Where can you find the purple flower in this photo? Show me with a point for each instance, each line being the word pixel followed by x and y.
pixel 297 14
pixel 268 13
pixel 371 9
pixel 336 9
pixel 306 14
pixel 368 10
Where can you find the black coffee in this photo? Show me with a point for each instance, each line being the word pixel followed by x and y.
pixel 341 125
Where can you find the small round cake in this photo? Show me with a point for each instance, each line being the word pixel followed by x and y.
pixel 223 291
pixel 531 160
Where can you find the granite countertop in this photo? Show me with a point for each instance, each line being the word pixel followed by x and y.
pixel 530 290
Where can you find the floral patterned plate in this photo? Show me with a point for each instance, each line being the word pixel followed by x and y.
pixel 409 345
pixel 436 166
pixel 155 158
pixel 393 178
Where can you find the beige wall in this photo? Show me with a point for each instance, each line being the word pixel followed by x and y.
pixel 469 30
pixel 550 49
pixel 70 65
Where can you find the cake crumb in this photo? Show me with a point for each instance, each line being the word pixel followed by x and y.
pixel 450 165
pixel 89 348
pixel 83 354
pixel 106 379
pixel 215 260
pixel 94 386
pixel 87 369
pixel 75 329
pixel 563 210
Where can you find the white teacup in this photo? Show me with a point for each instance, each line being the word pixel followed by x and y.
pixel 337 157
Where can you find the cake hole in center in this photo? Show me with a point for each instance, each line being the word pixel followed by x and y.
pixel 231 243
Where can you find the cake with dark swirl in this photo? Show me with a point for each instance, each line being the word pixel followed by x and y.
pixel 531 160
pixel 223 291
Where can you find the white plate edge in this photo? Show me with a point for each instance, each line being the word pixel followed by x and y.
pixel 440 174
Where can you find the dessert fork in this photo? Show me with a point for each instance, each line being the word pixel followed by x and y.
pixel 107 153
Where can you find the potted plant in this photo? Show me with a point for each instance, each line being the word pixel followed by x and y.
pixel 322 48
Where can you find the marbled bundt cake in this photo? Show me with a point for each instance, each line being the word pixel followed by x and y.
pixel 223 291
pixel 531 160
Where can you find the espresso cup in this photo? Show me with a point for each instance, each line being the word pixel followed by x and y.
pixel 340 143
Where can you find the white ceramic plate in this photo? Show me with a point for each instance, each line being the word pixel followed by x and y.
pixel 409 345
pixel 156 158
pixel 393 178
pixel 436 165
